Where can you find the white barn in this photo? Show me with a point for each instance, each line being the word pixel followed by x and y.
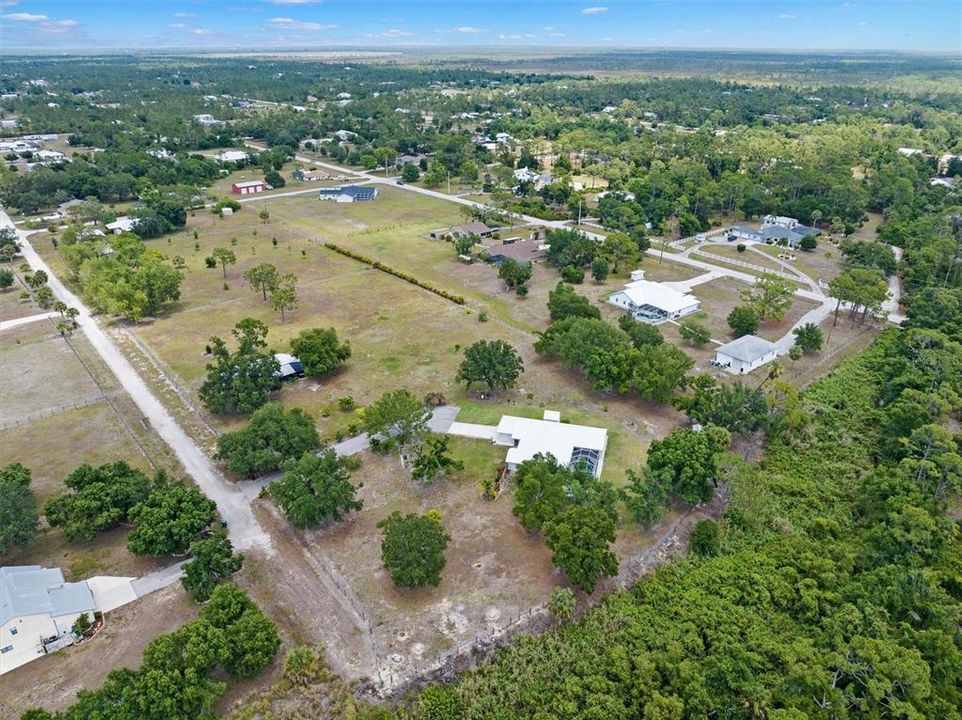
pixel 745 354
pixel 653 302
pixel 570 445
pixel 37 612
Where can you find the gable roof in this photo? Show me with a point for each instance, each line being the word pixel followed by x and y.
pixel 747 348
pixel 34 590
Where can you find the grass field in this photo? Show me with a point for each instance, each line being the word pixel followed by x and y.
pixel 11 304
pixel 400 335
pixel 61 407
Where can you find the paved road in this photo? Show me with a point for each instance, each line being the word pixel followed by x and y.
pixel 245 531
pixel 7 324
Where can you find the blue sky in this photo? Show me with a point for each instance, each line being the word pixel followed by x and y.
pixel 248 24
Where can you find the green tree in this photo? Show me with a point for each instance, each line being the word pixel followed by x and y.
pixel 264 215
pixel 645 496
pixel 413 548
pixel 933 460
pixel 514 273
pixel 169 521
pixel 252 639
pixel 620 250
pixel 272 436
pixel 213 561
pixel 432 460
pixel 808 338
pixel 705 538
pixel 397 414
pixel 18 508
pixel 6 278
pixel 580 540
pixel 274 179
pixel 464 244
pixel 564 302
pixel 743 321
pixel 262 277
pixel 492 362
pixel 545 488
pixel 640 333
pixel 284 294
pixel 561 604
pixel 770 297
pixel 315 489
pixel 687 461
pixel 733 406
pixel 695 332
pixel 240 382
pixel 102 498
pixel 223 257
pixel 599 269
pixel 410 173
pixel 320 351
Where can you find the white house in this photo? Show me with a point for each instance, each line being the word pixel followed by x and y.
pixel 744 354
pixel 524 174
pixel 206 119
pixel 653 302
pixel 502 138
pixel 122 224
pixel 231 156
pixel 570 445
pixel 37 612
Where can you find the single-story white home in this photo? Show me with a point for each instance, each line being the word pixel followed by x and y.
pixel 231 156
pixel 653 302
pixel 744 354
pixel 37 612
pixel 122 224
pixel 774 228
pixel 570 445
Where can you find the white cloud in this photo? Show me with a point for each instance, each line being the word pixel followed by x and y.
pixel 558 34
pixel 24 17
pixel 468 29
pixel 787 16
pixel 295 2
pixel 862 24
pixel 530 35
pixel 502 36
pixel 291 24
pixel 594 10
pixel 185 15
pixel 393 32
pixel 176 26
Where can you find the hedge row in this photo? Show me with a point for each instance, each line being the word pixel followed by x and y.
pixel 396 273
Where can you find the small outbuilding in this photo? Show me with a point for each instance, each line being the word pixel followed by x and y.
pixel 310 175
pixel 290 367
pixel 744 354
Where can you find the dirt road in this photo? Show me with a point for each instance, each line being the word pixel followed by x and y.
pixel 245 531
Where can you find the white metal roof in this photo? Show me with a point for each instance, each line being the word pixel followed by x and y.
pixel 34 590
pixel 646 292
pixel 249 183
pixel 549 438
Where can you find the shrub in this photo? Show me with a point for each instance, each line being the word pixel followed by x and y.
pixel 572 274
pixel 741 247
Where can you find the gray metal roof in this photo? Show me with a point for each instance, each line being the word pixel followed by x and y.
pixel 34 590
pixel 747 348
pixel 354 191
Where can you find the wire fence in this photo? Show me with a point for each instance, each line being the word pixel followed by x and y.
pixel 6 423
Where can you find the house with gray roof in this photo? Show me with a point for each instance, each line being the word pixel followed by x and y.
pixel 774 229
pixel 349 193
pixel 37 612
pixel 744 354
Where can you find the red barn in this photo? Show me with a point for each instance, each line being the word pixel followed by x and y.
pixel 249 187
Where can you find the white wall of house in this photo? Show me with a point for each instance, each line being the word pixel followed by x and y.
pixel 740 367
pixel 25 645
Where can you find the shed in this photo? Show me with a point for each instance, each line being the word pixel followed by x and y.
pixel 248 187
pixel 290 367
pixel 745 354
